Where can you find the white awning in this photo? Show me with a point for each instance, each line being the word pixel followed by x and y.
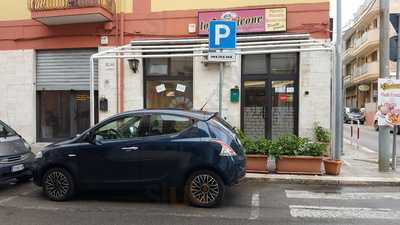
pixel 198 47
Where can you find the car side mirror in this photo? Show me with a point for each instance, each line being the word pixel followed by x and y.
pixel 90 138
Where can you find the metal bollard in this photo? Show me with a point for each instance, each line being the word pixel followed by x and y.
pixel 351 133
pixel 358 134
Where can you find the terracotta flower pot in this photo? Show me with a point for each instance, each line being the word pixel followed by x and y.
pixel 299 165
pixel 257 163
pixel 333 167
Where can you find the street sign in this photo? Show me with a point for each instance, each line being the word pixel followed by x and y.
pixel 221 57
pixel 222 34
pixel 394 19
pixel 393 48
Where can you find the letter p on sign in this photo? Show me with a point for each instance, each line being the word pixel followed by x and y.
pixel 222 34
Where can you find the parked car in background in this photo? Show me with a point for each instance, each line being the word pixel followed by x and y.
pixel 353 114
pixel 196 151
pixel 16 158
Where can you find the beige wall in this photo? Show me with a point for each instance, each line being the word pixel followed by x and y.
pixel 17 91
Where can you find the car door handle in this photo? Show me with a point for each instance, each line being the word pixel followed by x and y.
pixel 128 149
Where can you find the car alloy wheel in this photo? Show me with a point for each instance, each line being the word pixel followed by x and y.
pixel 204 189
pixel 58 184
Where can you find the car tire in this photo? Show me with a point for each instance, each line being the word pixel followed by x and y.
pixel 204 188
pixel 58 184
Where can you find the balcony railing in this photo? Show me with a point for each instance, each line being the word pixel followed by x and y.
pixel 46 5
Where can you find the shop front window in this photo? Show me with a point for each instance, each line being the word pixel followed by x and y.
pixel 63 114
pixel 169 83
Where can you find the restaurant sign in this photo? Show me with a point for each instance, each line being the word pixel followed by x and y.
pixel 388 102
pixel 248 20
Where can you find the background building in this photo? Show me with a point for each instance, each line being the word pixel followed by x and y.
pixel 361 57
pixel 45 46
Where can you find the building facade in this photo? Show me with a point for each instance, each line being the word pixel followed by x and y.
pixel 361 57
pixel 46 45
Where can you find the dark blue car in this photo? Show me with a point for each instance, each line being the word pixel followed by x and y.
pixel 196 151
pixel 16 158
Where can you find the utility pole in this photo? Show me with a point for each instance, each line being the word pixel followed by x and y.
pixel 338 86
pixel 384 131
pixel 395 128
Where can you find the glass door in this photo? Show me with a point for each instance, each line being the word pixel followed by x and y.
pixel 254 109
pixel 283 108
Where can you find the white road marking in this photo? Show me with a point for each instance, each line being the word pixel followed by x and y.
pixel 361 146
pixel 255 206
pixel 343 196
pixel 367 149
pixel 7 199
pixel 346 163
pixel 302 211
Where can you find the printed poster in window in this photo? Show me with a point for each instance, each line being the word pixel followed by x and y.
pixel 181 88
pixel 160 88
pixel 388 102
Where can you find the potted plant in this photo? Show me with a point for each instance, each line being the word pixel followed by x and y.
pixel 322 135
pixel 297 155
pixel 256 153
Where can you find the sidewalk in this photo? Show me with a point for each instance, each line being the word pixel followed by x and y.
pixel 360 168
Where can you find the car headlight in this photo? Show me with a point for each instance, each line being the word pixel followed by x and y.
pixel 39 155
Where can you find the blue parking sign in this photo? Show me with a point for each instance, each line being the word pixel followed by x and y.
pixel 222 34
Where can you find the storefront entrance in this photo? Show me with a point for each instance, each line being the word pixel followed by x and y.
pixel 270 95
pixel 62 114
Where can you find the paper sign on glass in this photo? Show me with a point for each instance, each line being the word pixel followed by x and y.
pixel 160 88
pixel 181 87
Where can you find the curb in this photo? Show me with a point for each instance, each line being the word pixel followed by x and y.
pixel 323 180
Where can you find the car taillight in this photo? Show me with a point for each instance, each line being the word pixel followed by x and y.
pixel 226 150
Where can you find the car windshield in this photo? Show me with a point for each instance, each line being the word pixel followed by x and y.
pixel 6 131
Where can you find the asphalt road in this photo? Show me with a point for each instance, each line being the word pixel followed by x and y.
pixel 368 137
pixel 248 203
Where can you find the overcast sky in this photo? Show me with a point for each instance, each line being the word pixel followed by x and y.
pixel 349 7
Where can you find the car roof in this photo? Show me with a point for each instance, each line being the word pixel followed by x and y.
pixel 199 115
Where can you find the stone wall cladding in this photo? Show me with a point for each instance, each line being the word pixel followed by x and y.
pixel 108 84
pixel 17 91
pixel 315 77
pixel 205 87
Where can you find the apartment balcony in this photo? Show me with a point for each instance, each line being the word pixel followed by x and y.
pixel 366 72
pixel 58 12
pixel 347 80
pixel 363 45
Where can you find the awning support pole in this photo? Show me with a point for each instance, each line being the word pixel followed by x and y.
pixel 92 97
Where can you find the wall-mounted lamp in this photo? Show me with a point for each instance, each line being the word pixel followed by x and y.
pixel 134 65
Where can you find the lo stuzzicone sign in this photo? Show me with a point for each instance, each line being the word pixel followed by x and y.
pixel 388 102
pixel 248 20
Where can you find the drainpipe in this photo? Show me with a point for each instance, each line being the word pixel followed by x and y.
pixel 121 88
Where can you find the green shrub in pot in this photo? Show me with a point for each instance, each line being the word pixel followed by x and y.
pixel 291 145
pixel 260 146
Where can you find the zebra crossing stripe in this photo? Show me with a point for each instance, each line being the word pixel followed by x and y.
pixel 342 196
pixel 302 211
